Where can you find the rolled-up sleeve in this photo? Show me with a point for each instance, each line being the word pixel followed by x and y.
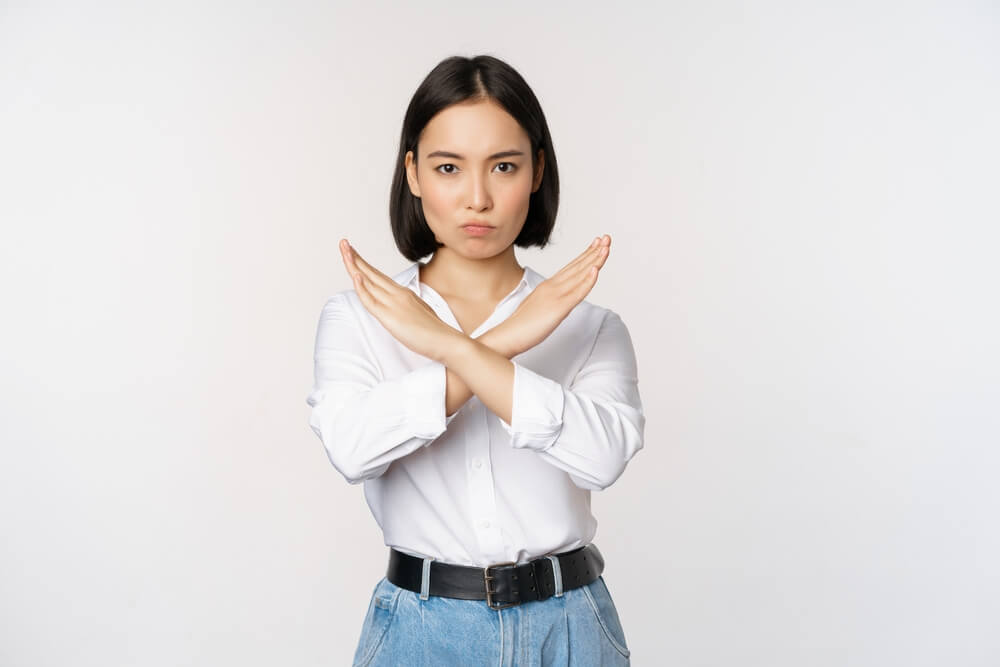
pixel 593 428
pixel 365 421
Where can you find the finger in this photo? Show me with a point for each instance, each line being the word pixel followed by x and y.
pixel 594 250
pixel 584 277
pixel 376 278
pixel 376 292
pixel 590 279
pixel 588 273
pixel 583 259
pixel 361 287
pixel 586 283
pixel 348 260
pixel 597 255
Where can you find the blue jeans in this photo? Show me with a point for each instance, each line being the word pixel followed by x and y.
pixel 580 627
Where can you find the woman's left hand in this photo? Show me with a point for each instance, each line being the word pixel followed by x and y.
pixel 404 314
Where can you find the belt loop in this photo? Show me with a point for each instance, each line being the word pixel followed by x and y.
pixel 557 575
pixel 425 579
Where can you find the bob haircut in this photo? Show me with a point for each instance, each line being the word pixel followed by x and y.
pixel 454 80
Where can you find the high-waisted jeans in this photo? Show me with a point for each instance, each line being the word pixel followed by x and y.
pixel 579 628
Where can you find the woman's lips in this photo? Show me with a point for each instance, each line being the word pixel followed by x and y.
pixel 477 230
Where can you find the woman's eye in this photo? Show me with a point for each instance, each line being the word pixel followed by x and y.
pixel 511 169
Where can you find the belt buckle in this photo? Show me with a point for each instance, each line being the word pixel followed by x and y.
pixel 489 594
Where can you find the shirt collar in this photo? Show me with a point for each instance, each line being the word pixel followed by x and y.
pixel 410 277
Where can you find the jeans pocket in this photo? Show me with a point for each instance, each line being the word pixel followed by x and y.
pixel 603 606
pixel 381 610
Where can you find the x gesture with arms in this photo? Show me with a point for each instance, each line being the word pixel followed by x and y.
pixel 480 365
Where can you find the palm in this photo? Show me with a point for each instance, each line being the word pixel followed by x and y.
pixel 403 314
pixel 554 298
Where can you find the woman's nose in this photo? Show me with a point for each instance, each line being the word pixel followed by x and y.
pixel 479 195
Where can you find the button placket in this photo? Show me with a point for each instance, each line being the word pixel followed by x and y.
pixel 490 533
pixel 482 505
pixel 479 471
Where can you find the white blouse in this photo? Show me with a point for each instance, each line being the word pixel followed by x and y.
pixel 469 488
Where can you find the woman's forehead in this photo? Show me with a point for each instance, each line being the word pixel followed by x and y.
pixel 473 131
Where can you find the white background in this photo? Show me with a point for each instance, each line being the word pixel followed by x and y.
pixel 803 201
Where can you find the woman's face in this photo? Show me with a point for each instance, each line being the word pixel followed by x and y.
pixel 474 165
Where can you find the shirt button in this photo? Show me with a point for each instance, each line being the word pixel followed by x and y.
pixel 477 463
pixel 484 523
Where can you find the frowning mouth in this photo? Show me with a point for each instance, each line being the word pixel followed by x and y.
pixel 477 230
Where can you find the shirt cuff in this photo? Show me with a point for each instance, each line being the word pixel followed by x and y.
pixel 423 394
pixel 536 410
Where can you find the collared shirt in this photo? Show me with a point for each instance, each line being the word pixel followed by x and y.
pixel 469 488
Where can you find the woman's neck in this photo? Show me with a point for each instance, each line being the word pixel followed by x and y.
pixel 471 279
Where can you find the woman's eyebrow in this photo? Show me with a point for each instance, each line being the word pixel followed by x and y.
pixel 456 156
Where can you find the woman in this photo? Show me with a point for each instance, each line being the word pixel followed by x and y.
pixel 479 402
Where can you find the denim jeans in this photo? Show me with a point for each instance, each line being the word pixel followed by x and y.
pixel 581 627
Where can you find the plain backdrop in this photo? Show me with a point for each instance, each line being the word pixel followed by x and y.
pixel 803 201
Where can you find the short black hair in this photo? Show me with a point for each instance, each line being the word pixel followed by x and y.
pixel 459 79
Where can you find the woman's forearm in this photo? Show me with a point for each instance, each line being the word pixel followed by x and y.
pixel 482 371
pixel 458 392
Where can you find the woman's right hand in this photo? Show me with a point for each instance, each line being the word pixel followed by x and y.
pixel 553 299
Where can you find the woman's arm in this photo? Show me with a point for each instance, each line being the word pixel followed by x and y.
pixel 590 429
pixel 365 420
pixel 602 427
pixel 415 324
pixel 458 392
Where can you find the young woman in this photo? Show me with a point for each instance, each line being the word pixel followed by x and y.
pixel 478 401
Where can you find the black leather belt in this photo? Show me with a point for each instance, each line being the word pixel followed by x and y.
pixel 501 584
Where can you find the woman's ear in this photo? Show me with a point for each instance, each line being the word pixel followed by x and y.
pixel 411 174
pixel 539 169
